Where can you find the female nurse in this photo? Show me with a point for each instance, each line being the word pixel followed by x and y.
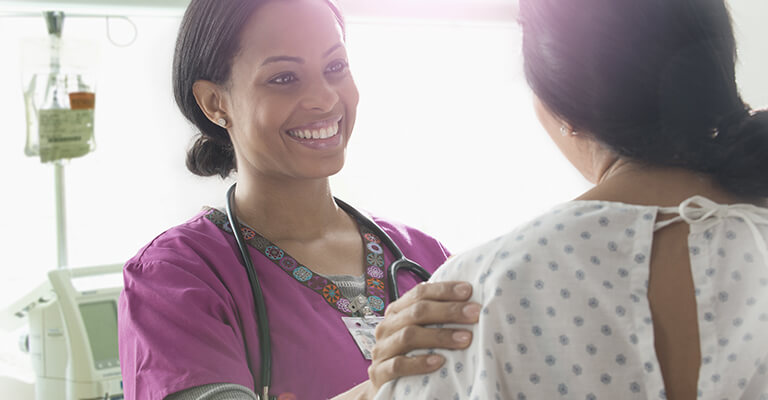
pixel 268 85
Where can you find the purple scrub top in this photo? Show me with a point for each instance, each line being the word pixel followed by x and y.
pixel 187 304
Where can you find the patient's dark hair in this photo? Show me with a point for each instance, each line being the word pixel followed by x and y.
pixel 653 80
pixel 208 41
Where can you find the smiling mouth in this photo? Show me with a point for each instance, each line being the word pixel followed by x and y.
pixel 317 130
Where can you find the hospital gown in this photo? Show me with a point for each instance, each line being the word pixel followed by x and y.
pixel 566 315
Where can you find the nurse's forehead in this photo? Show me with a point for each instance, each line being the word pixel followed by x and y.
pixel 299 28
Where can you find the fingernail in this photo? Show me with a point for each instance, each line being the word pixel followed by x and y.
pixel 434 359
pixel 472 310
pixel 462 289
pixel 461 336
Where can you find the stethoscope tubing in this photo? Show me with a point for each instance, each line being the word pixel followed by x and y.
pixel 408 265
pixel 401 261
pixel 265 338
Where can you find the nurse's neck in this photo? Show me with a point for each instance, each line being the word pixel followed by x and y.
pixel 284 209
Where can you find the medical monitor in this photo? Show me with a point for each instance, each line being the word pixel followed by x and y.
pixel 100 319
pixel 88 301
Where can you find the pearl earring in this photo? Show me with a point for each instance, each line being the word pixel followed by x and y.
pixel 565 131
pixel 222 122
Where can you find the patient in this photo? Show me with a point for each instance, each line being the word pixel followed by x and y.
pixel 654 284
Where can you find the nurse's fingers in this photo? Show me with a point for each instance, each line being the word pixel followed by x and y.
pixel 393 368
pixel 439 291
pixel 425 312
pixel 416 337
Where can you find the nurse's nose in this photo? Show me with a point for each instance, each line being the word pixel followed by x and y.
pixel 320 96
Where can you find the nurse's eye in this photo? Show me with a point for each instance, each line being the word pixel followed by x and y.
pixel 337 66
pixel 284 79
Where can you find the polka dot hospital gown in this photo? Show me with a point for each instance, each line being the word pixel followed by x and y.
pixel 566 316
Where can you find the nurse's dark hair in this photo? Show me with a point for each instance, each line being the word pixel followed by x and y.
pixel 208 41
pixel 653 80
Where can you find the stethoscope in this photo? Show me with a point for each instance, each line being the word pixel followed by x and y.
pixel 265 342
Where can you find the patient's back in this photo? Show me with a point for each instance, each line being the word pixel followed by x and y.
pixel 591 301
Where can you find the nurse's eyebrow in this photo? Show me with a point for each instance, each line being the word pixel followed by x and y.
pixel 332 49
pixel 282 58
pixel 299 60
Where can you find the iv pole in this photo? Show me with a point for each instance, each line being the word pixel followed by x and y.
pixel 61 215
pixel 55 22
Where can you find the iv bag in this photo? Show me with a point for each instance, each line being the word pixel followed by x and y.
pixel 60 98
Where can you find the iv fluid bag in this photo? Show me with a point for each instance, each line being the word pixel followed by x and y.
pixel 59 117
pixel 60 102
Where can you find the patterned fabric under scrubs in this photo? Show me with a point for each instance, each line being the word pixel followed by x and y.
pixel 566 313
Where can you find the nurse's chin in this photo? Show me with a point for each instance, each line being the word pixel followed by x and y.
pixel 319 167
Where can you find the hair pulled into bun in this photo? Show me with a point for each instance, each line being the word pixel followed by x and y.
pixel 741 164
pixel 212 155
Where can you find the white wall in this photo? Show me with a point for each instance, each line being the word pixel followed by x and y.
pixel 446 140
pixel 750 18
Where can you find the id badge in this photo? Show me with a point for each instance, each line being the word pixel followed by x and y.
pixel 362 330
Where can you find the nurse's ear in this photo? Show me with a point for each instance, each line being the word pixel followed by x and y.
pixel 212 100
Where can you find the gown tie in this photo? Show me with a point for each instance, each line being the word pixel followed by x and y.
pixel 698 210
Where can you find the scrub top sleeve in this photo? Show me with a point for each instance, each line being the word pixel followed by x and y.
pixel 447 254
pixel 177 329
pixel 433 246
pixel 427 251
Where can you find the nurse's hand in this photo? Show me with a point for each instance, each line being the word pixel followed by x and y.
pixel 403 329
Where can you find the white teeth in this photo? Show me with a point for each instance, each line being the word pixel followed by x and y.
pixel 323 133
pixel 333 130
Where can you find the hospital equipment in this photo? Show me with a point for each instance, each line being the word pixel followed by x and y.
pixel 59 85
pixel 58 94
pixel 59 99
pixel 265 345
pixel 72 338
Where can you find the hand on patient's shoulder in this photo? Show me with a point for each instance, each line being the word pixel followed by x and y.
pixel 404 329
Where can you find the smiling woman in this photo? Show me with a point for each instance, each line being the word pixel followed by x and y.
pixel 268 85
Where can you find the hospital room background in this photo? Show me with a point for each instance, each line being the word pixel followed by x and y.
pixel 446 138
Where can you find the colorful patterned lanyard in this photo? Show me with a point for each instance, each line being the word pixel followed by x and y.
pixel 376 286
